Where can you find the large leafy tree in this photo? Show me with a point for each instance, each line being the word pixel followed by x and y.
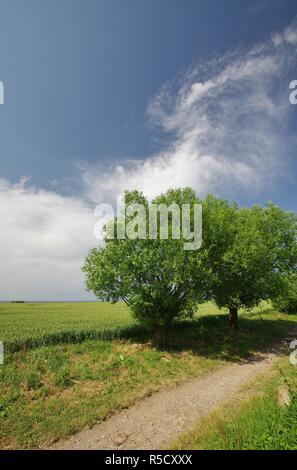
pixel 257 248
pixel 286 300
pixel 158 279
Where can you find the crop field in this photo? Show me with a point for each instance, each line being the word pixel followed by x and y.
pixel 70 365
pixel 25 326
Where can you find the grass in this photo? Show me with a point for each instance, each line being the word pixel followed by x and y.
pixel 27 326
pixel 255 421
pixel 51 392
pixel 48 392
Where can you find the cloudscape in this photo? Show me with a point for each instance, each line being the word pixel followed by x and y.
pixel 219 121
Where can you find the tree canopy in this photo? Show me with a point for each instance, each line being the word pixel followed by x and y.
pixel 286 299
pixel 244 256
pixel 157 278
pixel 258 248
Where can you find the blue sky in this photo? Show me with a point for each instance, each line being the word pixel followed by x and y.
pixel 106 95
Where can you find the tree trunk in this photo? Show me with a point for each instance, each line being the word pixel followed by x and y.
pixel 233 318
pixel 161 336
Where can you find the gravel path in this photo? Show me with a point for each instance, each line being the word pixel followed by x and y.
pixel 157 420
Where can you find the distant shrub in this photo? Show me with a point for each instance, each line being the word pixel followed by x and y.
pixel 287 301
pixel 17 301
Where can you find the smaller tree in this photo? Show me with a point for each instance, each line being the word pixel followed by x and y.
pixel 260 246
pixel 286 301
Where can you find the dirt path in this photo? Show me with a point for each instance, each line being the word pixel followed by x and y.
pixel 156 421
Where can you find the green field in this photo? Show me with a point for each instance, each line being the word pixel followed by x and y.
pixel 71 365
pixel 25 326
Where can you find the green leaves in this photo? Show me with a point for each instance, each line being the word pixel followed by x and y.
pixel 260 245
pixel 286 300
pixel 157 278
pixel 244 254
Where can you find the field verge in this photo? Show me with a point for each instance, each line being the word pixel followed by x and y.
pixel 51 391
pixel 255 420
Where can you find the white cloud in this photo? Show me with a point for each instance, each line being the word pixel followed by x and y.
pixel 227 124
pixel 289 35
pixel 44 237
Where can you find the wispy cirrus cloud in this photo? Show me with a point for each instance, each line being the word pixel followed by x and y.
pixel 226 122
pixel 288 36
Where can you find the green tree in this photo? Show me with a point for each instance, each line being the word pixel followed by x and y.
pixel 258 246
pixel 286 300
pixel 158 279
